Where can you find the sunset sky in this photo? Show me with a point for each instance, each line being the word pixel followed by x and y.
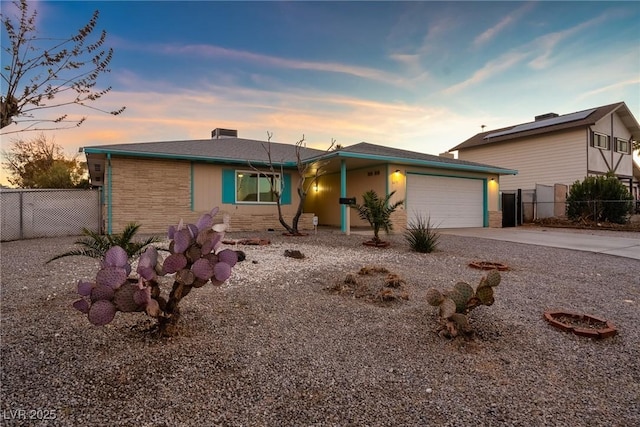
pixel 421 76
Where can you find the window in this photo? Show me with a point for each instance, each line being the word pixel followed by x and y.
pixel 622 146
pixel 600 141
pixel 256 187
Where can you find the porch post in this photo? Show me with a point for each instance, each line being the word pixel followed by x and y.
pixel 344 214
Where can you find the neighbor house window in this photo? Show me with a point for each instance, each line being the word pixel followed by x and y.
pixel 256 187
pixel 622 146
pixel 600 141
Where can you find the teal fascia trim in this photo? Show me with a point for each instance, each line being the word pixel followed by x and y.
pixel 109 195
pixel 96 150
pixel 485 203
pixel 192 185
pixel 431 163
pixel 343 193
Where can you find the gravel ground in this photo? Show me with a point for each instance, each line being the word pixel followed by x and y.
pixel 275 347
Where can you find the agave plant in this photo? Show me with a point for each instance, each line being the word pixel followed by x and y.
pixel 377 212
pixel 95 245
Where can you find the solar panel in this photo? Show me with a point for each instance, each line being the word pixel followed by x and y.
pixel 543 123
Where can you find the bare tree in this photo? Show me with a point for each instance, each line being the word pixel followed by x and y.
pixel 305 181
pixel 40 77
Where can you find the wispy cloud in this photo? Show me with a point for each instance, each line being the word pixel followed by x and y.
pixel 502 25
pixel 547 43
pixel 212 51
pixel 489 70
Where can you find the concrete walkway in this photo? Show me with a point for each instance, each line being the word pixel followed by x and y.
pixel 613 243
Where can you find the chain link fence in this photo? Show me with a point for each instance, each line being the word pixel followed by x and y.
pixel 30 213
pixel 594 210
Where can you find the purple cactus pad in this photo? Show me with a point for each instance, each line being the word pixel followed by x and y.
pixel 101 292
pixel 222 271
pixel 81 305
pixel 111 276
pixel 173 263
pixel 101 312
pixel 228 256
pixel 84 288
pixel 116 257
pixel 202 269
pixel 181 241
pixel 204 222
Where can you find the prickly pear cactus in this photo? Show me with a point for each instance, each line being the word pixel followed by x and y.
pixel 195 259
pixel 456 303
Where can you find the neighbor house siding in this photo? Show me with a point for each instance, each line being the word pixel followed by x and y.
pixel 546 159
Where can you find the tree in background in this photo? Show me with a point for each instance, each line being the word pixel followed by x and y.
pixel 599 198
pixel 37 163
pixel 36 77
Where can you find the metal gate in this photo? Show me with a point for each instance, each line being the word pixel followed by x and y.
pixel 30 214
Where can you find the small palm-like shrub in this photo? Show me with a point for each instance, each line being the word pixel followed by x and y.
pixel 377 212
pixel 96 245
pixel 421 235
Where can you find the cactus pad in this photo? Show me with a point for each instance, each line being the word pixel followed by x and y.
pixel 102 292
pixel 142 296
pixel 434 297
pixel 111 276
pixel 181 240
pixel 465 290
pixel 493 278
pixel 173 263
pixel 84 288
pixel 228 256
pixel 116 257
pixel 81 305
pixel 123 298
pixel 101 312
pixel 447 308
pixel 202 269
pixel 222 271
pixel 485 295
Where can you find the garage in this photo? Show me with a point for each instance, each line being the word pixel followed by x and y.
pixel 449 202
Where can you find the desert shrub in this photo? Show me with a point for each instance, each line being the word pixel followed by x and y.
pixel 421 235
pixel 599 198
pixel 96 245
pixel 377 212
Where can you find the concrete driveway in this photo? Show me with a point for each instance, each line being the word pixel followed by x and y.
pixel 614 243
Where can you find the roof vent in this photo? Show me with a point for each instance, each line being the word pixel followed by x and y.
pixel 547 116
pixel 218 133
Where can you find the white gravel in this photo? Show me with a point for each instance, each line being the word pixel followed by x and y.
pixel 274 347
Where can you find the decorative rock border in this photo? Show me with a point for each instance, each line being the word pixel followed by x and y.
pixel 488 265
pixel 608 330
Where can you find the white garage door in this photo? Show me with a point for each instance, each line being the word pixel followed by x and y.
pixel 448 202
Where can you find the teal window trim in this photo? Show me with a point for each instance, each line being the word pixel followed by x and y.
pixel 229 189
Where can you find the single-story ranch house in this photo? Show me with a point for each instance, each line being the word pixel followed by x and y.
pixel 158 183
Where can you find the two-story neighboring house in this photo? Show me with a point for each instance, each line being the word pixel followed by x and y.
pixel 560 149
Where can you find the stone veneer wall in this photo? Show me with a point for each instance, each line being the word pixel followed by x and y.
pixel 495 219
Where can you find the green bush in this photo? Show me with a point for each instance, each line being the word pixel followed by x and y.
pixel 421 235
pixel 599 198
